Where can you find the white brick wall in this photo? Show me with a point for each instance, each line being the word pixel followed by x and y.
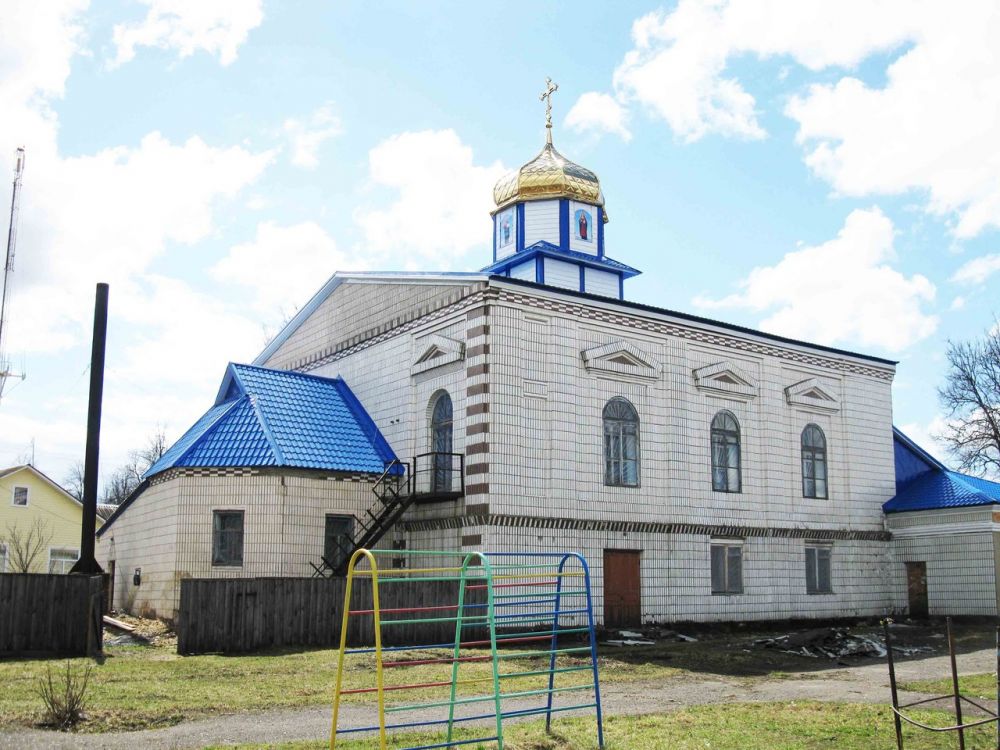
pixel 957 546
pixel 536 415
pixel 168 531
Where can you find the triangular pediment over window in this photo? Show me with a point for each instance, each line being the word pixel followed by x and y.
pixel 812 394
pixel 726 379
pixel 620 358
pixel 436 351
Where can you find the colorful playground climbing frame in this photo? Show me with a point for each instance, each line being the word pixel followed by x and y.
pixel 506 607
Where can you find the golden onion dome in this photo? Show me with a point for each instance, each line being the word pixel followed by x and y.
pixel 549 175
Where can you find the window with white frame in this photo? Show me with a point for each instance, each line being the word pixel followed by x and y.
pixel 227 537
pixel 819 578
pixel 61 560
pixel 3 558
pixel 727 567
pixel 20 496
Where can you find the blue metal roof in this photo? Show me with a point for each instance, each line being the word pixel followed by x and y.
pixel 554 251
pixel 265 417
pixel 924 483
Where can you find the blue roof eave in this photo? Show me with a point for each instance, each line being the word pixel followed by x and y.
pixel 547 249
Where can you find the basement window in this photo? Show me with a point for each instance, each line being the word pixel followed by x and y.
pixel 227 537
pixel 727 568
pixel 818 569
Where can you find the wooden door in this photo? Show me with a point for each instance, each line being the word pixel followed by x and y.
pixel 916 586
pixel 622 589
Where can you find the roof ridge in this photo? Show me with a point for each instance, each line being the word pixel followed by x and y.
pixel 960 478
pixel 364 420
pixel 265 425
pixel 198 440
pixel 277 371
pixel 920 451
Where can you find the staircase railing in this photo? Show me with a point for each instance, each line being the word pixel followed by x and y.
pixel 432 476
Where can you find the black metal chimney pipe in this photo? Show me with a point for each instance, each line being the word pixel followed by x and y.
pixel 88 563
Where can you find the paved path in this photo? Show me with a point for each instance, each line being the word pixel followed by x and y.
pixel 862 684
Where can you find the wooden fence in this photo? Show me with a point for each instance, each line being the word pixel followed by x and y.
pixel 234 615
pixel 51 614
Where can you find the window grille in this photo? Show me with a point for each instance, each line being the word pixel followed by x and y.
pixel 442 442
pixel 813 462
pixel 726 468
pixel 621 444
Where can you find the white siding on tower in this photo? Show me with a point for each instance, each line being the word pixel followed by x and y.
pixel 601 282
pixel 583 246
pixel 541 222
pixel 562 274
pixel 524 271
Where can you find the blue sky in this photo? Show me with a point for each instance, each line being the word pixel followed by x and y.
pixel 825 171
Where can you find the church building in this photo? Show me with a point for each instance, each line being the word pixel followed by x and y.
pixel 709 472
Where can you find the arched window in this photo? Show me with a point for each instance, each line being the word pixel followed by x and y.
pixel 441 441
pixel 725 453
pixel 621 444
pixel 813 462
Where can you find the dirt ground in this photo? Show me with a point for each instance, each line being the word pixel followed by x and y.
pixel 719 667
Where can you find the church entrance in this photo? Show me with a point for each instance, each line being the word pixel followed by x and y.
pixel 622 588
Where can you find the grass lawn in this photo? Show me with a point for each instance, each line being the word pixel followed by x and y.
pixel 740 726
pixel 140 687
pixel 974 686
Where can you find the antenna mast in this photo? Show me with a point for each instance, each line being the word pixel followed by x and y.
pixel 8 269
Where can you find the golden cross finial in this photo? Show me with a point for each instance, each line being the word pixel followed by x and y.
pixel 546 96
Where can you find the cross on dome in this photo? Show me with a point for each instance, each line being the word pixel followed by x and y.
pixel 546 96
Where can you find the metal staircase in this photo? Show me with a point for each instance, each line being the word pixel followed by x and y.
pixel 431 477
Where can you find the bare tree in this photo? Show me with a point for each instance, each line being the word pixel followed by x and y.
pixel 73 481
pixel 971 396
pixel 26 546
pixel 128 476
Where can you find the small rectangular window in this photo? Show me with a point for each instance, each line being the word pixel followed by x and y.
pixel 3 558
pixel 819 579
pixel 727 568
pixel 62 560
pixel 20 496
pixel 227 537
pixel 338 539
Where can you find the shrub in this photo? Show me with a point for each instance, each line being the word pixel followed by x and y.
pixel 64 696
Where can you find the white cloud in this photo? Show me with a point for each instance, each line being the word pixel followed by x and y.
pixel 190 346
pixel 600 113
pixel 284 265
pixel 977 270
pixel 931 128
pixel 843 291
pixel 443 203
pixel 958 303
pixel 107 216
pixel 678 67
pixel 187 26
pixel 306 136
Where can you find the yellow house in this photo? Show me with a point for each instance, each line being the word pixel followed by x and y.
pixel 39 523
